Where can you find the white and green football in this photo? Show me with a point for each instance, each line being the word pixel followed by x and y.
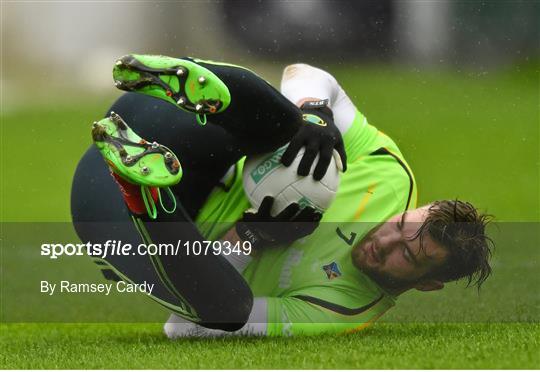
pixel 264 175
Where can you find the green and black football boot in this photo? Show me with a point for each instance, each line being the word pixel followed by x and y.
pixel 136 160
pixel 181 82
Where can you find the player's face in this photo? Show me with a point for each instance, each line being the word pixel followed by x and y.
pixel 393 258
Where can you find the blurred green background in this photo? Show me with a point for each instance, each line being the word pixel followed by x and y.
pixel 465 134
pixel 454 83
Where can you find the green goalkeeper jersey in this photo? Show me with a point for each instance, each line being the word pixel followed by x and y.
pixel 312 286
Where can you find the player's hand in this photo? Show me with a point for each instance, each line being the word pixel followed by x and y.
pixel 320 136
pixel 263 230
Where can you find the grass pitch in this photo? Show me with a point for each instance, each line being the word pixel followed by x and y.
pixel 389 346
pixel 467 135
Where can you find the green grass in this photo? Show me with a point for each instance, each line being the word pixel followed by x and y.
pixel 465 135
pixel 405 346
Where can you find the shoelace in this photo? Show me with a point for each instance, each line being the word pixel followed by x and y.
pixel 150 205
pixel 201 119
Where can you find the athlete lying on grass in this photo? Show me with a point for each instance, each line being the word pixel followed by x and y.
pixel 301 278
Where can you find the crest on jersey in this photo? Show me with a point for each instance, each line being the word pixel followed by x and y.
pixel 332 270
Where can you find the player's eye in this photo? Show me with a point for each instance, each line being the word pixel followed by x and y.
pixel 406 253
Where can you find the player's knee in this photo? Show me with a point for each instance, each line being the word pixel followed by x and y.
pixel 231 313
pixel 235 316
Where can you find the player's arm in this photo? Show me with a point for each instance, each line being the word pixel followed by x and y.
pixel 288 316
pixel 313 91
pixel 263 230
pixel 328 113
pixel 301 82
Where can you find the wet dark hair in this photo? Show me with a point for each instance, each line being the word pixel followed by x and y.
pixel 460 229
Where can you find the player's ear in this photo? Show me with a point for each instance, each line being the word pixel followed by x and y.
pixel 429 285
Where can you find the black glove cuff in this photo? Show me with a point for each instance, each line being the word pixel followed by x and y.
pixel 314 104
pixel 320 109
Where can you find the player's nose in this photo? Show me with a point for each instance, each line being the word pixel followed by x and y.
pixel 386 244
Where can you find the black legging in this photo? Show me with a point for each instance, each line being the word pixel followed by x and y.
pixel 205 289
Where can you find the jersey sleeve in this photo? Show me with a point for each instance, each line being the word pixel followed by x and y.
pixel 304 316
pixel 301 81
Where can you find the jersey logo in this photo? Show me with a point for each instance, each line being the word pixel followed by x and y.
pixel 332 270
pixel 349 240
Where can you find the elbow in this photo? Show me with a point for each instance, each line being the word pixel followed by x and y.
pixel 292 71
